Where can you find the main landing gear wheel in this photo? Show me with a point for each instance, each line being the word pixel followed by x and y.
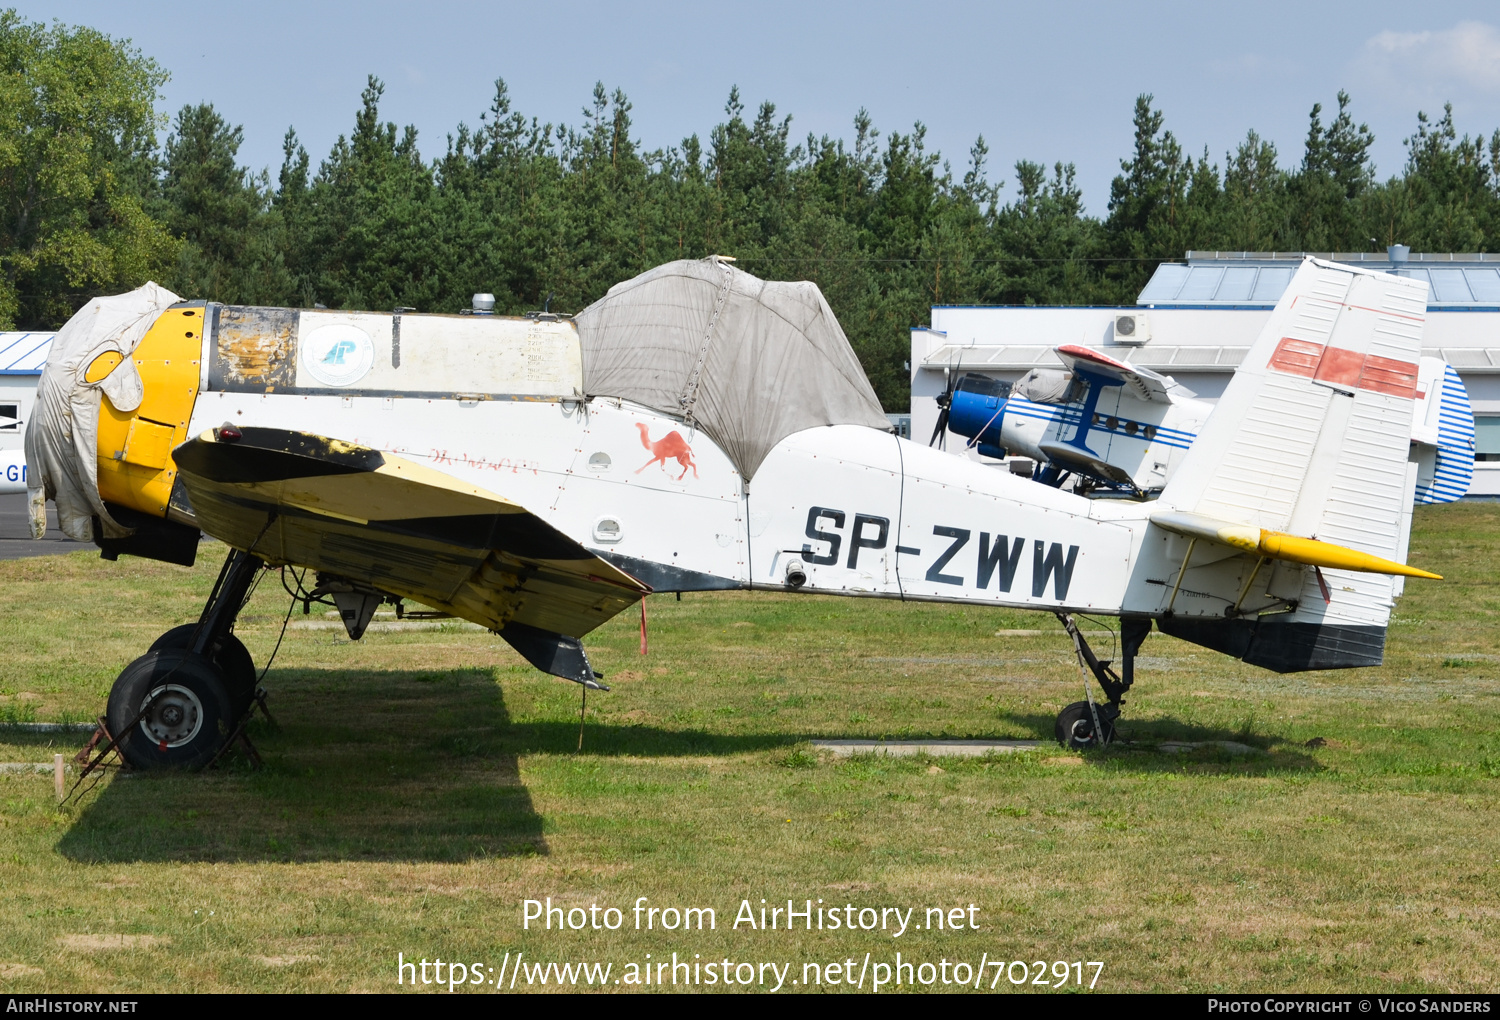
pixel 177 705
pixel 1075 727
pixel 232 658
pixel 180 706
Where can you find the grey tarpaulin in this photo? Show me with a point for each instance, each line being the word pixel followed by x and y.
pixel 746 360
pixel 1045 386
pixel 62 436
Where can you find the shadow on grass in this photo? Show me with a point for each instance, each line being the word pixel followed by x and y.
pixel 1278 754
pixel 392 766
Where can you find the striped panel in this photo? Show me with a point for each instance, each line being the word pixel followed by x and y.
pixel 24 353
pixel 1455 455
pixel 1072 415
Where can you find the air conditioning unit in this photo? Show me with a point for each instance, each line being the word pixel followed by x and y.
pixel 1132 328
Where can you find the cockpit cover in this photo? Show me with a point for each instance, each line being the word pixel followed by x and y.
pixel 746 360
pixel 62 436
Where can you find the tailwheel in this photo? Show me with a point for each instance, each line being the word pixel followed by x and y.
pixel 1075 725
pixel 229 654
pixel 170 708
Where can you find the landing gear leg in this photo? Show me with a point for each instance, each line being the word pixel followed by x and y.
pixel 1091 724
pixel 178 704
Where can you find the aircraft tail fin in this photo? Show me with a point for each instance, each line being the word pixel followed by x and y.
pixel 1311 439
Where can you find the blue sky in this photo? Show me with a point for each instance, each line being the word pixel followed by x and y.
pixel 1043 81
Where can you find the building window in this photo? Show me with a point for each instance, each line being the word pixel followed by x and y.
pixel 10 415
pixel 1486 437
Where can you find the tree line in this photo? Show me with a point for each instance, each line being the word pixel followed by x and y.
pixel 93 201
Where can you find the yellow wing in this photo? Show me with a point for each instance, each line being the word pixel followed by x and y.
pixel 406 529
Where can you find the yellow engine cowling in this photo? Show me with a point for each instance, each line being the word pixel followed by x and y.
pixel 135 448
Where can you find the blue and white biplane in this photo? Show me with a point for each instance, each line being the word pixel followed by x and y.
pixel 1116 429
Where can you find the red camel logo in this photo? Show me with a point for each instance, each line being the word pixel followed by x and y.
pixel 670 447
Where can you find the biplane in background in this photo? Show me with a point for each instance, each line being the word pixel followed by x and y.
pixel 698 429
pixel 1115 429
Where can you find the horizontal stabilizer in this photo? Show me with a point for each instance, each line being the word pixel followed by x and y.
pixel 1277 545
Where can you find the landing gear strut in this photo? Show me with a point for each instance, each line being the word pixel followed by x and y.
pixel 1091 724
pixel 181 702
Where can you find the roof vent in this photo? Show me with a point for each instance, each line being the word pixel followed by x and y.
pixel 484 304
pixel 1398 252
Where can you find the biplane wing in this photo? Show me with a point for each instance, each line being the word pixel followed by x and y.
pixel 1142 383
pixel 401 528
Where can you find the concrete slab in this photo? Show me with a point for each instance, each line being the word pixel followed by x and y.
pixel 388 626
pixel 936 748
pixel 1183 747
pixel 47 727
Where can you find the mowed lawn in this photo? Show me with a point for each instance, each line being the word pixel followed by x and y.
pixel 421 783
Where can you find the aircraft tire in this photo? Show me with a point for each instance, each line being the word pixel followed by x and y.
pixel 187 710
pixel 233 660
pixel 1075 727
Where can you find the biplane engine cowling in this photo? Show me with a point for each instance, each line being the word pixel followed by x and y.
pixel 978 413
pixel 999 418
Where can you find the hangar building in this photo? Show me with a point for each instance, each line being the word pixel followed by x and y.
pixel 1196 319
pixel 22 356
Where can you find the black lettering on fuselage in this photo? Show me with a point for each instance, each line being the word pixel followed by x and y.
pixel 1047 562
pixel 934 573
pixel 858 540
pixel 833 538
pixel 990 558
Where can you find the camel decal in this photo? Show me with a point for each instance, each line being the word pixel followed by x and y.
pixel 670 447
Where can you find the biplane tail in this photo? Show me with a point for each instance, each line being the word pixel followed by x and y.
pixel 1304 465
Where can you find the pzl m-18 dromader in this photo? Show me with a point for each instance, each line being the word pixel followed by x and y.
pixel 699 429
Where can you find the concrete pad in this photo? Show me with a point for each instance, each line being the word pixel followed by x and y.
pixel 389 626
pixel 47 727
pixel 1182 747
pixel 936 748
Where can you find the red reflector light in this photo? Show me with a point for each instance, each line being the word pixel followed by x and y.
pixel 227 433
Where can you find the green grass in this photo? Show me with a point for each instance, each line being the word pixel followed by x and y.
pixel 422 784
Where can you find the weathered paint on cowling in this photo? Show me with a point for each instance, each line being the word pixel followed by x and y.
pixel 134 448
pixel 281 350
pixel 253 349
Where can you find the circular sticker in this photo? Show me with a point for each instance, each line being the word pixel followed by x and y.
pixel 338 354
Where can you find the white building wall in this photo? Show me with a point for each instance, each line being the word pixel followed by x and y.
pixel 19 390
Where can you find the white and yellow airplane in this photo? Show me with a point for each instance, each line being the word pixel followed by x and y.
pixel 699 429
